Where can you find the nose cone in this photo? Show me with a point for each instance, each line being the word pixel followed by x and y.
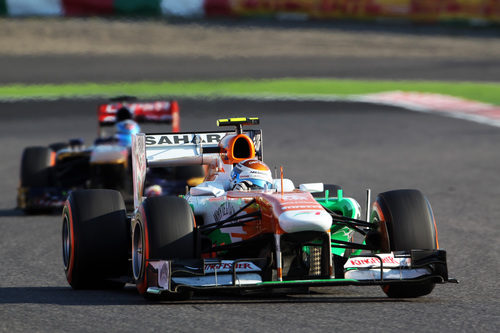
pixel 305 220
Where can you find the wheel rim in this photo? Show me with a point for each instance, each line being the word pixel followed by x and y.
pixel 66 241
pixel 378 217
pixel 137 251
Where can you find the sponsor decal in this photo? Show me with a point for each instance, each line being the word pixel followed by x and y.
pixel 224 210
pixel 297 197
pixel 299 207
pixel 163 280
pixel 323 8
pixel 418 10
pixel 300 201
pixel 307 213
pixel 139 167
pixel 369 262
pixel 227 266
pixel 183 139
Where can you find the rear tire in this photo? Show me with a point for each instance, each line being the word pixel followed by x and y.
pixel 95 238
pixel 406 223
pixel 163 229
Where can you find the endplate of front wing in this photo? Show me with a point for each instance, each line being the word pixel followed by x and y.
pixel 213 274
pixel 41 198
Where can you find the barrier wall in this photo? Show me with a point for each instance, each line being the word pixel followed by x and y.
pixel 411 10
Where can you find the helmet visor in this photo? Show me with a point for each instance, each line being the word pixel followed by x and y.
pixel 261 184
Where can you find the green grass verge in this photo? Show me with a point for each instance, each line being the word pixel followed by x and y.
pixel 485 92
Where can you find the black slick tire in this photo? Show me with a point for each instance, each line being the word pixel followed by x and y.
pixel 163 229
pixel 36 170
pixel 35 166
pixel 95 239
pixel 406 223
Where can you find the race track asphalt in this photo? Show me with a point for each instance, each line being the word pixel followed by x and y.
pixel 454 162
pixel 94 68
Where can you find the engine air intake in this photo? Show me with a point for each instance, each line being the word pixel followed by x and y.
pixel 241 148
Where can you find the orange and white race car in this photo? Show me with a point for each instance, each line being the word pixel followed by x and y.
pixel 242 228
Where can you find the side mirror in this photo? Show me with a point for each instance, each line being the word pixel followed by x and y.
pixel 312 187
pixel 288 185
pixel 207 189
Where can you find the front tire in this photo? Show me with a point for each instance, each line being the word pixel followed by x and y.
pixel 95 239
pixel 36 166
pixel 163 229
pixel 406 223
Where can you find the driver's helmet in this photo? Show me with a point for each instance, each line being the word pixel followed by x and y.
pixel 123 113
pixel 124 131
pixel 251 175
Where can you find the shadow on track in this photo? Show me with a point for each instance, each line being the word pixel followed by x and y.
pixel 68 296
pixel 11 212
pixel 128 296
pixel 19 212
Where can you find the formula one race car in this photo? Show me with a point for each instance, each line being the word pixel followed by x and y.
pixel 48 174
pixel 243 230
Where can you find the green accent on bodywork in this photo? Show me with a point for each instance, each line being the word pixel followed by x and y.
pixel 339 204
pixel 306 281
pixel 302 213
pixel 219 238
pixel 357 252
pixel 346 208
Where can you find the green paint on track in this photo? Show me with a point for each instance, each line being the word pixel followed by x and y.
pixel 269 88
pixel 312 282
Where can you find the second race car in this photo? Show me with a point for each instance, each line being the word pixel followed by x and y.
pixel 49 173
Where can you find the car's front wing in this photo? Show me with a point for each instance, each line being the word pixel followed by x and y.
pixel 409 267
pixel 49 198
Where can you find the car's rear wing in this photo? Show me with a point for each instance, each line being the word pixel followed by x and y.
pixel 178 149
pixel 156 112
